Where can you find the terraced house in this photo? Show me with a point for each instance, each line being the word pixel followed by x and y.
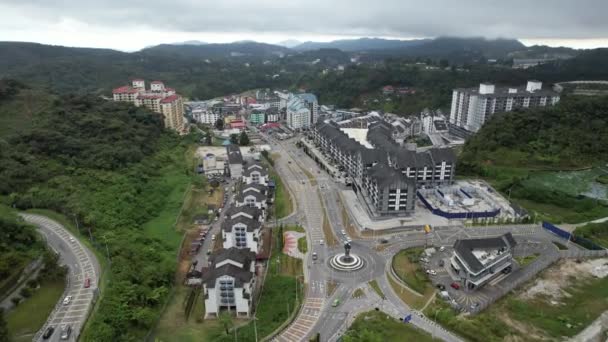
pixel 385 174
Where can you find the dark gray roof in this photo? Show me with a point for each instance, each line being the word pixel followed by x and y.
pixel 443 154
pixel 246 188
pixel 241 275
pixel 243 256
pixel 250 223
pixel 370 156
pixel 424 159
pixel 234 154
pixel 251 211
pixel 259 197
pixel 465 248
pixel 385 175
pixel 255 167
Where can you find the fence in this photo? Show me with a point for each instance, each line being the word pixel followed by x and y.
pixel 457 215
pixel 581 241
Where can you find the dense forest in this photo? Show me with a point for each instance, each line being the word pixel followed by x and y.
pixel 206 71
pixel 572 134
pixel 105 164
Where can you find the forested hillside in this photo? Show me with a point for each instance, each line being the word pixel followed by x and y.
pixel 570 135
pixel 110 166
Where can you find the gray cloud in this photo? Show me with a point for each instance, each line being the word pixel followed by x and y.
pixel 563 19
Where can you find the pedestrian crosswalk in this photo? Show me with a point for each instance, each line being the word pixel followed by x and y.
pixel 307 318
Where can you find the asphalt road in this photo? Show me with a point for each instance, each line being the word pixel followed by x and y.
pixel 82 264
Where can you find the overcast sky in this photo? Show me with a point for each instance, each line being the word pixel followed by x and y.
pixel 132 25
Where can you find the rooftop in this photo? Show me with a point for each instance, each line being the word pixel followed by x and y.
pixel 477 253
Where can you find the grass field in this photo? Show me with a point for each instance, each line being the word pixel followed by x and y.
pixel 358 293
pixel 29 316
pixel 377 326
pixel 573 183
pixel 163 225
pixel 597 232
pixel 302 245
pixel 408 269
pixel 518 318
pixel 282 199
pixel 376 287
pixel 524 261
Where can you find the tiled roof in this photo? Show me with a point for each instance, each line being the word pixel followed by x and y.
pixel 234 154
pixel 250 223
pixel 124 90
pixel 465 248
pixel 169 99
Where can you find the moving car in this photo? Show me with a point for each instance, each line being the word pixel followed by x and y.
pixel 440 287
pixel 65 332
pixel 321 242
pixel 67 300
pixel 314 256
pixel 455 286
pixel 442 248
pixel 335 303
pixel 87 283
pixel 441 263
pixel 48 332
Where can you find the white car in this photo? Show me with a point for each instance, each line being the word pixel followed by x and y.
pixel 442 248
pixel 67 300
pixel 72 239
pixel 321 242
pixel 431 272
pixel 213 237
pixel 343 232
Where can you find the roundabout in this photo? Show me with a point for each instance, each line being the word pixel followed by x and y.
pixel 346 261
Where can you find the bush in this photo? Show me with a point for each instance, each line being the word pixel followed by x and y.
pixel 26 292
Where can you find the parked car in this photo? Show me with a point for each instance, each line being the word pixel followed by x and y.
pixel 442 248
pixel 87 283
pixel 321 242
pixel 67 300
pixel 343 232
pixel 66 332
pixel 474 306
pixel 455 286
pixel 440 287
pixel 213 237
pixel 314 256
pixel 441 263
pixel 48 332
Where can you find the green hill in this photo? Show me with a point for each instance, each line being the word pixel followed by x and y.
pixel 112 167
pixel 533 156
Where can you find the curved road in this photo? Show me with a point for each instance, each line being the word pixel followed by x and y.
pixel 82 264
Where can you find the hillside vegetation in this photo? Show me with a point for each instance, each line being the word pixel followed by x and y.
pixel 521 152
pixel 112 168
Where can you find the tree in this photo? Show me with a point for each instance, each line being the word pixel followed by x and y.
pixel 4 336
pixel 234 139
pixel 209 138
pixel 219 125
pixel 226 320
pixel 244 139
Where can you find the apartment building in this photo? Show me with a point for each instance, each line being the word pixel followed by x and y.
pixel 255 173
pixel 478 261
pixel 252 195
pixel 298 114
pixel 241 231
pixel 229 282
pixel 385 174
pixel 472 107
pixel 158 98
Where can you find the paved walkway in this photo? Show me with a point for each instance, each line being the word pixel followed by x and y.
pixel 290 246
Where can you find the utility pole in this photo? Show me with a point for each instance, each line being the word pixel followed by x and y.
pixel 255 328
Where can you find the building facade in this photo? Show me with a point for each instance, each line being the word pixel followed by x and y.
pixel 298 114
pixel 255 173
pixel 478 261
pixel 241 232
pixel 385 174
pixel 472 107
pixel 158 98
pixel 235 161
pixel 229 282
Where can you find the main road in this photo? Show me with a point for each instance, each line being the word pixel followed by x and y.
pixel 81 264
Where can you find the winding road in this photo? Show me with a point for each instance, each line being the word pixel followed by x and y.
pixel 82 264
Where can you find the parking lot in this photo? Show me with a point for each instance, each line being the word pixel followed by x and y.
pixel 472 300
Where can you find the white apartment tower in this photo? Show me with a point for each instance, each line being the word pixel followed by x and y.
pixel 472 107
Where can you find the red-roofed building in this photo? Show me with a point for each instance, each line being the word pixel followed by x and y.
pixel 159 99
pixel 387 90
pixel 238 124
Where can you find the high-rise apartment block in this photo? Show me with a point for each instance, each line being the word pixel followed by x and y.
pixel 158 98
pixel 471 107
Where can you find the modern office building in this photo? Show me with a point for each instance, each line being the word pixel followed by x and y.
pixel 477 261
pixel 472 107
pixel 229 282
pixel 385 174
pixel 158 98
